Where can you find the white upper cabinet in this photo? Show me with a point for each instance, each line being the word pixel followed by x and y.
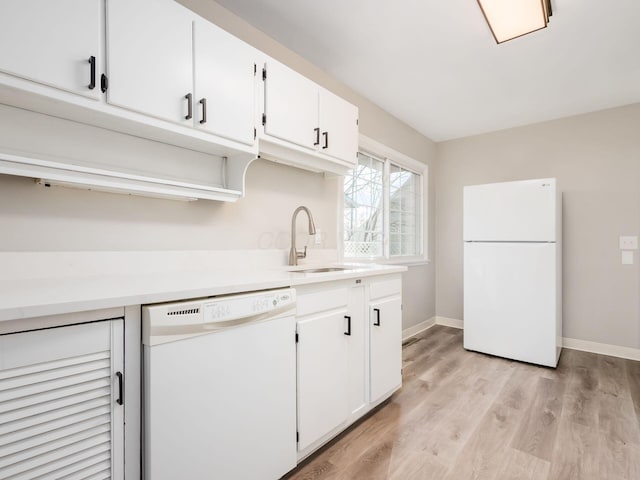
pixel 291 106
pixel 224 69
pixel 53 43
pixel 338 127
pixel 306 125
pixel 150 58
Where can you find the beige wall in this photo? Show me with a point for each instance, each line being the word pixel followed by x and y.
pixel 61 219
pixel 596 158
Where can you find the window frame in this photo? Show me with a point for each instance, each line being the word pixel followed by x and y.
pixel 389 156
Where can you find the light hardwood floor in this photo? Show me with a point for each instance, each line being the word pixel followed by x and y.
pixel 462 415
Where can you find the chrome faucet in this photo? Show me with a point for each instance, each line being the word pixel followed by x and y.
pixel 294 254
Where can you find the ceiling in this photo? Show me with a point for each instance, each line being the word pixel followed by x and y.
pixel 435 65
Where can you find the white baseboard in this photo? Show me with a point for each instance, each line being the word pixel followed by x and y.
pixel 449 322
pixel 602 348
pixel 570 343
pixel 416 329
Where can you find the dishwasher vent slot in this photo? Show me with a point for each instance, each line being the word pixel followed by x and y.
pixel 188 310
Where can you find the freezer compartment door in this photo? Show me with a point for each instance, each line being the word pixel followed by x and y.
pixel 510 292
pixel 511 212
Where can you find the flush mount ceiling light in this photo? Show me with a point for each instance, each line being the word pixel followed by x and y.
pixel 509 19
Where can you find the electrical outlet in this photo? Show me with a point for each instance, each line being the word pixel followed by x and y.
pixel 627 257
pixel 628 243
pixel 318 237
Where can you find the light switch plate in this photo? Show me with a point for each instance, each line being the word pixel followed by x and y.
pixel 628 243
pixel 627 257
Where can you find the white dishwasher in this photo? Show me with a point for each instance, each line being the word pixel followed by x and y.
pixel 220 387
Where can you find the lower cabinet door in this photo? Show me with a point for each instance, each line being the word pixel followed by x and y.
pixel 61 412
pixel 385 326
pixel 323 377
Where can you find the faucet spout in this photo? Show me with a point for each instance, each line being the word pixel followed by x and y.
pixel 294 254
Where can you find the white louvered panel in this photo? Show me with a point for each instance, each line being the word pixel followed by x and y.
pixel 78 466
pixel 54 394
pixel 71 401
pixel 100 470
pixel 81 360
pixel 57 403
pixel 41 456
pixel 53 384
pixel 57 373
pixel 57 436
pixel 80 410
pixel 70 464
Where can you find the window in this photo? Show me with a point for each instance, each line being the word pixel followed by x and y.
pixel 383 206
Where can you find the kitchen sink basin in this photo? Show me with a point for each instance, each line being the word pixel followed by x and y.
pixel 320 270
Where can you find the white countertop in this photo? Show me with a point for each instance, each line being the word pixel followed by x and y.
pixel 22 298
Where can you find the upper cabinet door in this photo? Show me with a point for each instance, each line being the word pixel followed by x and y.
pixel 224 83
pixel 150 61
pixel 53 42
pixel 338 127
pixel 291 106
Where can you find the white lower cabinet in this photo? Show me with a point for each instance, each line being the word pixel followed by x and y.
pixel 347 363
pixel 386 346
pixel 385 343
pixel 323 380
pixel 358 345
pixel 61 402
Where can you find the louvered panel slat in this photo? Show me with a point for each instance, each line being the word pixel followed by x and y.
pixel 99 394
pixel 54 394
pixel 68 413
pixel 55 384
pixel 54 373
pixel 48 470
pixel 53 365
pixel 77 466
pixel 39 456
pixel 53 436
pixel 99 471
pixel 41 430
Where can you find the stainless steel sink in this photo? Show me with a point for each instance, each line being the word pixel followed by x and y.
pixel 320 270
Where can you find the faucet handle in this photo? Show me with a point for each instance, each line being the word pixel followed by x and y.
pixel 302 254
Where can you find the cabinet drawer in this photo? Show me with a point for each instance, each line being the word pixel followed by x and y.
pixel 386 287
pixel 321 301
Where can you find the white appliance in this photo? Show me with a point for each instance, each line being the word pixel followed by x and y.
pixel 512 270
pixel 220 387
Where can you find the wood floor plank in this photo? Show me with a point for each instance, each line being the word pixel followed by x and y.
pixel 537 433
pixel 415 465
pixel 576 454
pixel 618 460
pixel 581 399
pixel 517 465
pixel 633 378
pixel 482 454
pixel 450 436
pixel 464 415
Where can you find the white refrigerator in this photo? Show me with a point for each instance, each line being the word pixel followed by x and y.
pixel 513 270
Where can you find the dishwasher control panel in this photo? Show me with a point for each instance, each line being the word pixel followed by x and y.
pixel 235 307
pixel 167 322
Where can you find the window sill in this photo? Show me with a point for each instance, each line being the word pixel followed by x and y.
pixel 409 262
